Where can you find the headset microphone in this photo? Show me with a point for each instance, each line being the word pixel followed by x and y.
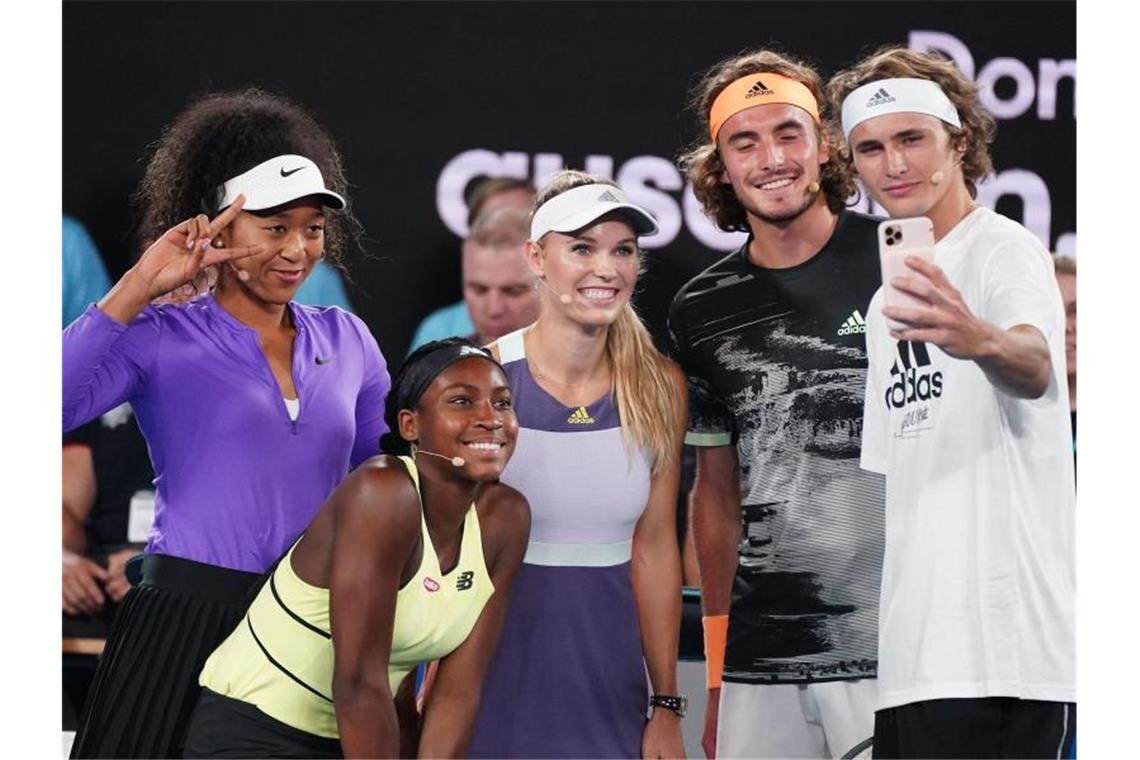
pixel 455 461
pixel 938 176
pixel 561 296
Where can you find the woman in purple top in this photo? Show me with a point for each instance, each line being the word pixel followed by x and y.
pixel 253 406
pixel 601 419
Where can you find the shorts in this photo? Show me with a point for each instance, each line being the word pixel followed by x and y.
pixel 813 720
pixel 994 727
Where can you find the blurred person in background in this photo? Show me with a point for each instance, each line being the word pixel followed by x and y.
pixel 85 277
pixel 498 286
pixel 485 194
pixel 1065 268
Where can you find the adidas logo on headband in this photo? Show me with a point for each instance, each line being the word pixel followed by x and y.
pixel 758 89
pixel 608 197
pixel 882 97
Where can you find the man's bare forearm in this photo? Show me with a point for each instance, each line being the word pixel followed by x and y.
pixel 1017 361
pixel 715 510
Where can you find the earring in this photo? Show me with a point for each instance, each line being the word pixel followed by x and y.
pixel 218 243
pixel 813 187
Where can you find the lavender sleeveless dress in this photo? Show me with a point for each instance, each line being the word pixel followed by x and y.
pixel 568 678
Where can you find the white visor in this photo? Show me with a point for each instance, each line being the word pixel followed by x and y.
pixel 277 181
pixel 574 209
pixel 897 96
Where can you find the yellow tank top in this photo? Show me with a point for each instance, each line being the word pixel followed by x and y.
pixel 280 657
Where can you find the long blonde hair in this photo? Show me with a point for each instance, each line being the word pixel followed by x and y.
pixel 643 388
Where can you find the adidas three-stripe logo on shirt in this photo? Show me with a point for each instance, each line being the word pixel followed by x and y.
pixel 854 324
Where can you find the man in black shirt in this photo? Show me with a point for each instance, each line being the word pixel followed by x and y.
pixel 771 338
pixel 108 507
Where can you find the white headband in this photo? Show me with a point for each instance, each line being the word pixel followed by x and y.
pixel 574 209
pixel 897 96
pixel 277 181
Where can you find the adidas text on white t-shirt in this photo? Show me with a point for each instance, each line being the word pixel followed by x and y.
pixel 979 568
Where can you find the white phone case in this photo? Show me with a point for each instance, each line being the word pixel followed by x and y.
pixel 899 238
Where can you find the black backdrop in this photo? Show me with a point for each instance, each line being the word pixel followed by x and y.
pixel 416 92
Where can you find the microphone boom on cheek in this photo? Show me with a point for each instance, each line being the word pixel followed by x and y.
pixel 455 461
pixel 939 176
pixel 565 299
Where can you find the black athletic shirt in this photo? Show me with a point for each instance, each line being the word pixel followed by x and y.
pixel 777 366
pixel 122 469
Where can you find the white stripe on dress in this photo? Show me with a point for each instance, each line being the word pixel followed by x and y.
pixel 511 347
pixel 578 555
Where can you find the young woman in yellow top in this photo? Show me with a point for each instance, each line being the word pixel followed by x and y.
pixel 408 561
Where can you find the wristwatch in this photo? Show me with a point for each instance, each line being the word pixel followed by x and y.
pixel 677 703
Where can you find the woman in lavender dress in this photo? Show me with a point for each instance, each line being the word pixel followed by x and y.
pixel 601 416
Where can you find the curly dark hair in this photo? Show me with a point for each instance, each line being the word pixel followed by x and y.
pixel 703 165
pixel 978 127
pixel 221 135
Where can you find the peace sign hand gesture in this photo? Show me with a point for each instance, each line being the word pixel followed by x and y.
pixel 173 260
pixel 184 251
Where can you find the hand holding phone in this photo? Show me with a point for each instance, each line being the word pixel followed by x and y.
pixel 899 238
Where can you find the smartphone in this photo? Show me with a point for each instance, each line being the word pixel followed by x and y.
pixel 899 238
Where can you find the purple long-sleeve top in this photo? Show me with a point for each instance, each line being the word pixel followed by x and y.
pixel 236 481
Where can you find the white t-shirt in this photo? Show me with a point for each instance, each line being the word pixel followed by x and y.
pixel 979 568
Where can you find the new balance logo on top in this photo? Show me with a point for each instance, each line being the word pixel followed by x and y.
pixel 758 89
pixel 466 580
pixel 580 417
pixel 882 97
pixel 853 325
pixel 608 197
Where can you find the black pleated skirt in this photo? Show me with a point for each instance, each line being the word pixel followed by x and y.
pixel 146 683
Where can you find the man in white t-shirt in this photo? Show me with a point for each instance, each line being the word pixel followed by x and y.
pixel 966 413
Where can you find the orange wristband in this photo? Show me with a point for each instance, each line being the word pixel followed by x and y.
pixel 716 636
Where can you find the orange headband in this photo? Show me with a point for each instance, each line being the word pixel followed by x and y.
pixel 758 90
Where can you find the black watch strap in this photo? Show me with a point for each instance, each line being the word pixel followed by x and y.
pixel 676 703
